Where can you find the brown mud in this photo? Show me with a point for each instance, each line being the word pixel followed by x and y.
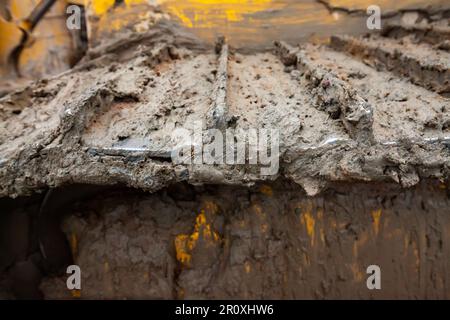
pixel 268 241
pixel 363 178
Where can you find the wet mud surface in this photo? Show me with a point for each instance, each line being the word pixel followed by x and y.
pixel 341 115
pixel 364 168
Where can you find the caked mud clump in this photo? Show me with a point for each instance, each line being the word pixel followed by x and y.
pixel 367 113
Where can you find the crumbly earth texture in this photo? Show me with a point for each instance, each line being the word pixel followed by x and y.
pixel 364 162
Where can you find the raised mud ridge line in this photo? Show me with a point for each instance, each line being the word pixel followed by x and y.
pixel 354 112
pixel 431 34
pixel 342 117
pixel 424 65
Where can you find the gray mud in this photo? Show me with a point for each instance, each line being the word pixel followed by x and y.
pixel 363 178
pixel 106 123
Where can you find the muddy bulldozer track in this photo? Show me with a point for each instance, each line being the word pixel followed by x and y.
pixel 363 171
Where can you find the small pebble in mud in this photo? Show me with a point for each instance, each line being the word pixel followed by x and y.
pixel 289 69
pixel 326 83
pixel 399 97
